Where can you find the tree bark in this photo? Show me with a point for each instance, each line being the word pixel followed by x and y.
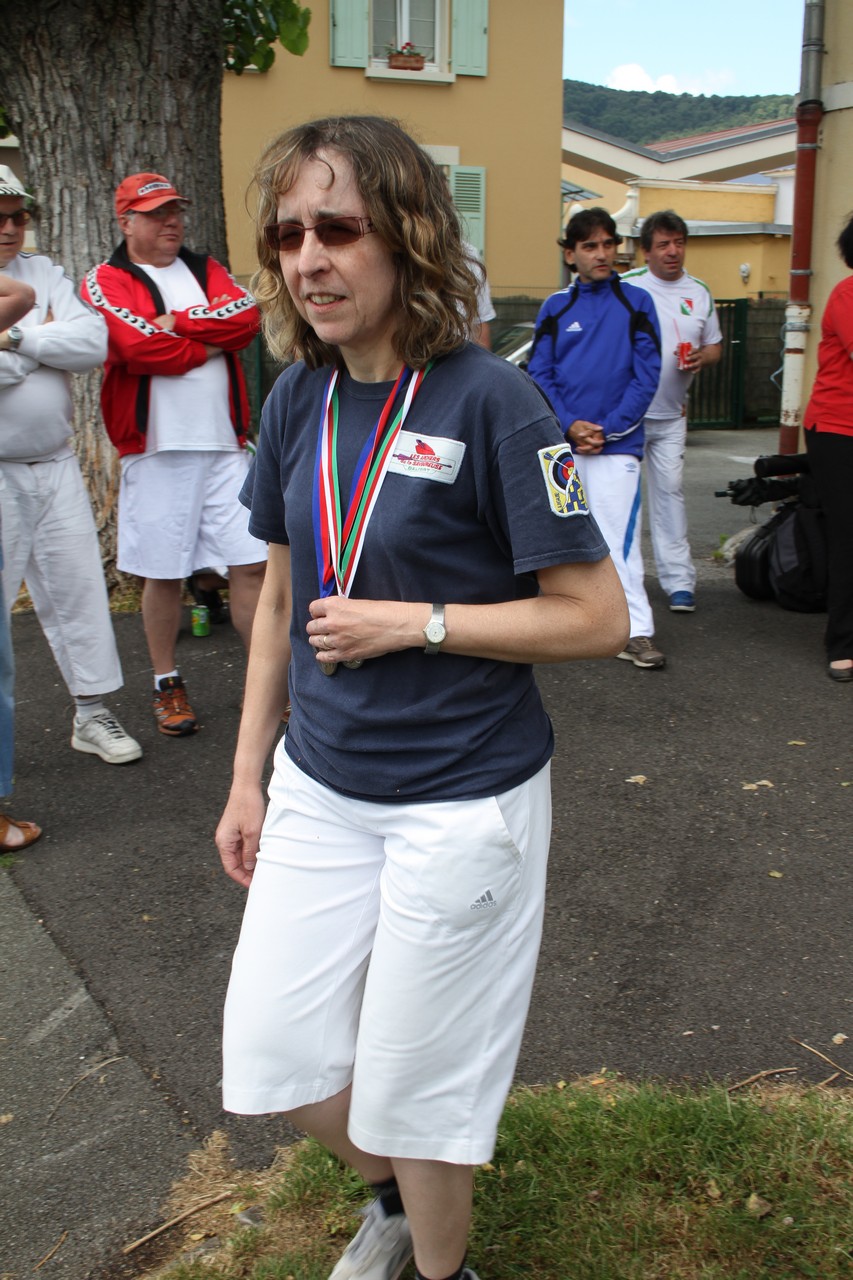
pixel 96 90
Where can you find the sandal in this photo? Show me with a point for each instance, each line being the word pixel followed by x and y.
pixel 29 831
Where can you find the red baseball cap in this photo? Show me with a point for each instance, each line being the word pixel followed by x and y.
pixel 144 192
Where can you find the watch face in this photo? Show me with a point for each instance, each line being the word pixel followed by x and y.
pixel 435 632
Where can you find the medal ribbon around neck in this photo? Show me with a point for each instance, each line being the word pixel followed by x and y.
pixel 338 538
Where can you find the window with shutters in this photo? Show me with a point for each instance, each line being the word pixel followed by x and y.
pixel 451 35
pixel 468 188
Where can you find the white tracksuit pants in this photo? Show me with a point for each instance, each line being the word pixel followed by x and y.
pixel 50 540
pixel 611 482
pixel 664 466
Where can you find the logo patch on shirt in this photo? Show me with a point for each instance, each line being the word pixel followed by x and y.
pixel 430 457
pixel 565 491
pixel 687 306
pixel 574 327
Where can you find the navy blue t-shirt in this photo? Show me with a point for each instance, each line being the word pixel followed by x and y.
pixel 479 494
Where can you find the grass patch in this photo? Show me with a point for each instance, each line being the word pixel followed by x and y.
pixel 599 1180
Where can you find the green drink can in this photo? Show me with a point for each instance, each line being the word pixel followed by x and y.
pixel 201 620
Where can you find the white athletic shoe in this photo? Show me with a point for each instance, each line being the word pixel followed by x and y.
pixel 102 735
pixel 380 1249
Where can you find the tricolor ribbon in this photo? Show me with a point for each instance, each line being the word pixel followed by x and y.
pixel 338 536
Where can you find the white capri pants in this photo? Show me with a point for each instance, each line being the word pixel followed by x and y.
pixel 391 946
pixel 666 440
pixel 49 540
pixel 611 483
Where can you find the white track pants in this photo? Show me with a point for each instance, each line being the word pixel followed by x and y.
pixel 664 464
pixel 611 482
pixel 50 541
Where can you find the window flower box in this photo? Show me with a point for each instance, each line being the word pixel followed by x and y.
pixel 405 59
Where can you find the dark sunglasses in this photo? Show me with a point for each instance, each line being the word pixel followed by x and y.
pixel 288 237
pixel 19 218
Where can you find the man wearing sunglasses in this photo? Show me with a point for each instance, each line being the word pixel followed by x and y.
pixel 48 533
pixel 175 407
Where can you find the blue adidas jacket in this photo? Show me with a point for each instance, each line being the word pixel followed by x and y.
pixel 600 359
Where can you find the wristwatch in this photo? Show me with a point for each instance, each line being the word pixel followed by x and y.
pixel 16 333
pixel 435 631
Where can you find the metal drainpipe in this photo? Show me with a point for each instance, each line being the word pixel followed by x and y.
pixel 798 311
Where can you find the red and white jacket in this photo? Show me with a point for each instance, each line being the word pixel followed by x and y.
pixel 129 301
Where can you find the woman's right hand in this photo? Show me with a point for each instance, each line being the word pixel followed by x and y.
pixel 239 832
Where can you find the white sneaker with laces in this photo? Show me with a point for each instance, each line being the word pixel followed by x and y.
pixel 379 1250
pixel 102 735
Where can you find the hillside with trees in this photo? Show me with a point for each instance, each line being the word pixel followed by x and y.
pixel 642 118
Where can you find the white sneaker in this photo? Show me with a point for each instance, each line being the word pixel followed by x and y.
pixel 380 1249
pixel 102 735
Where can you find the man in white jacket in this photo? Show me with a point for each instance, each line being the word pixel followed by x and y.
pixel 49 535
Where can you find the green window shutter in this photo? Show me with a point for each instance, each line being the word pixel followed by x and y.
pixel 349 27
pixel 468 188
pixel 470 53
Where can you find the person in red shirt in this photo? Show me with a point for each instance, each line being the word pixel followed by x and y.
pixel 828 422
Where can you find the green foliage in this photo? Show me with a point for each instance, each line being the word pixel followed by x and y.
pixel 604 1180
pixel 4 124
pixel 643 118
pixel 252 29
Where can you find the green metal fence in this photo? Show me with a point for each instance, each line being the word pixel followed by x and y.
pixel 717 394
pixel 740 390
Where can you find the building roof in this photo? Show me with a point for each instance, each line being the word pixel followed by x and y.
pixel 722 155
pixel 724 137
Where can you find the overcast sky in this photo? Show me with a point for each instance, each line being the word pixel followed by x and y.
pixel 699 46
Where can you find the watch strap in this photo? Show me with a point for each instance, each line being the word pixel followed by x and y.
pixel 435 625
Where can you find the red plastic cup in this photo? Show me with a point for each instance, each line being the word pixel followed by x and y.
pixel 683 354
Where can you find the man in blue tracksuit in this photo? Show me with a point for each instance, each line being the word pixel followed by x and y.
pixel 596 354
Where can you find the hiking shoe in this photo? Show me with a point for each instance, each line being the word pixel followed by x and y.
pixel 102 735
pixel 172 709
pixel 642 652
pixel 380 1250
pixel 682 602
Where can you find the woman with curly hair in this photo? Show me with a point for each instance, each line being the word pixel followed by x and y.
pixel 428 543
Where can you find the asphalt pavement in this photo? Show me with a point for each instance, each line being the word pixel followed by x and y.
pixel 698 923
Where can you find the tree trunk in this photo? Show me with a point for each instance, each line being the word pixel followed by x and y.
pixel 96 90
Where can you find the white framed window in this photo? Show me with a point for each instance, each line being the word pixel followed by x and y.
pixel 395 23
pixel 451 34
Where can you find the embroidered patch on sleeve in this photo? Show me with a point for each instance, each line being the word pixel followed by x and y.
pixel 565 491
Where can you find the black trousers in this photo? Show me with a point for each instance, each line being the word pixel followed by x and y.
pixel 831 462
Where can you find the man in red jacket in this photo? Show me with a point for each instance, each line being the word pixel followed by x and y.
pixel 175 407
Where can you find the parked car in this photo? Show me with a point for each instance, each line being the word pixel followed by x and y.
pixel 514 343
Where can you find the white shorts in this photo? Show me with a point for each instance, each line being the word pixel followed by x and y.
pixel 179 509
pixel 393 946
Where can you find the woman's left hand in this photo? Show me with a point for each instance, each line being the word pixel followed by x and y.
pixel 346 630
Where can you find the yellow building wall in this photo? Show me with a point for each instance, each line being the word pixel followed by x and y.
pixel 508 121
pixel 717 261
pixel 707 202
pixel 833 195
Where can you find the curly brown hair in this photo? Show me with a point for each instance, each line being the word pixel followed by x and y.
pixel 408 201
